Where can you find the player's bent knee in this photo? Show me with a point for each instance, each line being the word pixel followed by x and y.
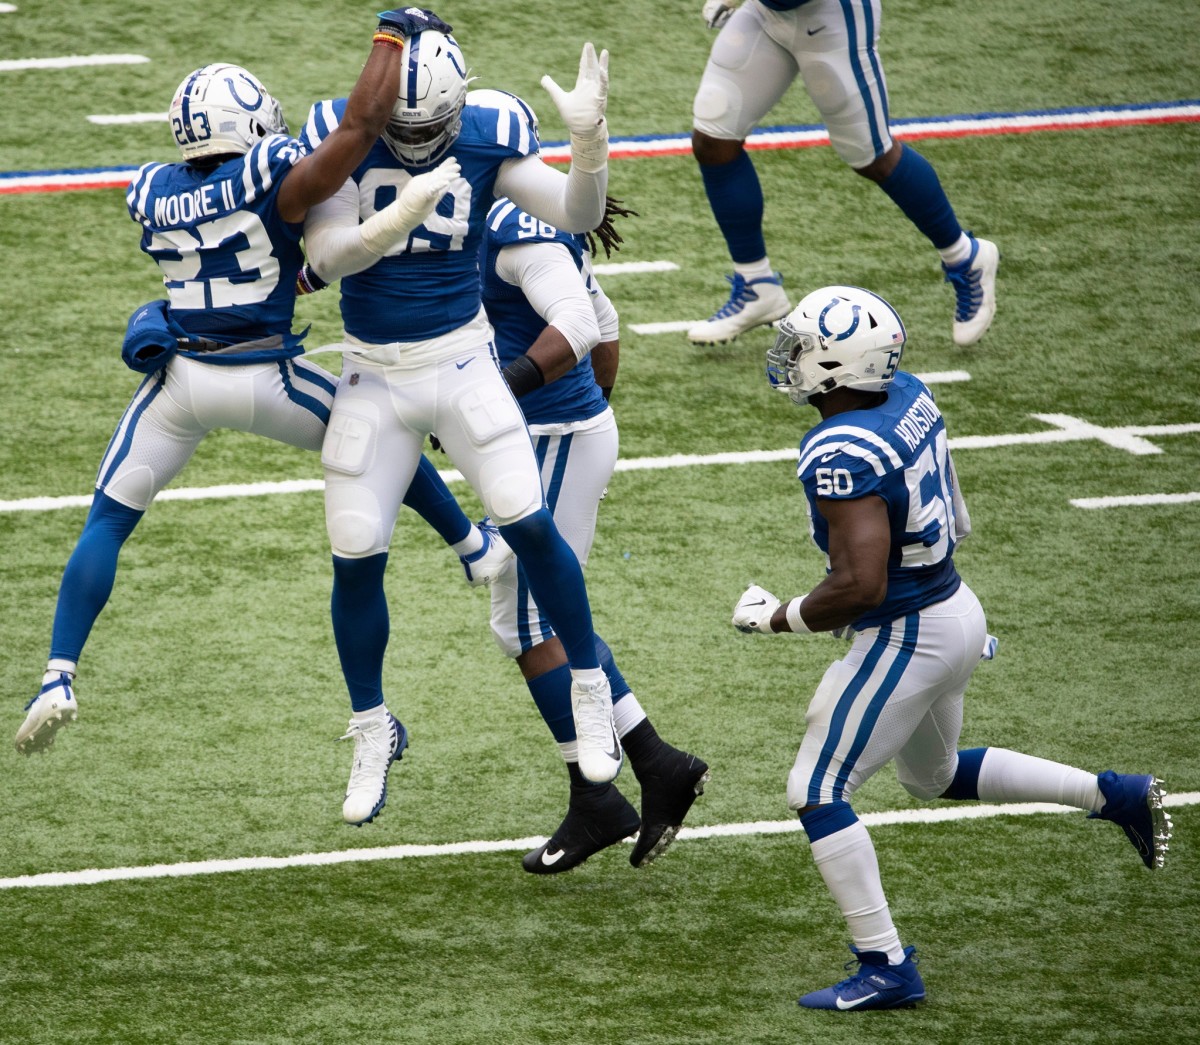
pixel 511 496
pixel 927 789
pixel 353 521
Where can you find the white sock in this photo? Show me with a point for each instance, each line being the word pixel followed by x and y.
pixel 627 714
pixel 370 713
pixel 753 269
pixel 57 666
pixel 957 252
pixel 1009 776
pixel 588 676
pixel 847 862
pixel 470 544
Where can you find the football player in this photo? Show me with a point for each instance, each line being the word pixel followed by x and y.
pixel 224 226
pixel 420 358
pixel 763 46
pixel 557 340
pixel 885 508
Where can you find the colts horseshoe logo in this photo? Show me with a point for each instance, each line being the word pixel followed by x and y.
pixel 826 332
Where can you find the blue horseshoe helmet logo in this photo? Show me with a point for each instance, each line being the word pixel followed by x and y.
pixel 826 332
pixel 258 100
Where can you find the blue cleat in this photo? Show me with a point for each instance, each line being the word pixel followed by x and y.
pixel 1135 804
pixel 876 985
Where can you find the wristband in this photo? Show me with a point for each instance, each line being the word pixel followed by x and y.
pixel 389 38
pixel 308 282
pixel 523 375
pixel 794 620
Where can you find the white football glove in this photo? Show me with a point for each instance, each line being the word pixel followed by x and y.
pixel 716 13
pixel 754 610
pixel 582 110
pixel 390 227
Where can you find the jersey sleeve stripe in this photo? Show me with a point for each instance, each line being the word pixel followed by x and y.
pixel 840 437
pixel 500 210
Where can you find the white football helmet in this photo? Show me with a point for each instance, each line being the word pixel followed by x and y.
pixel 433 89
pixel 222 109
pixel 837 337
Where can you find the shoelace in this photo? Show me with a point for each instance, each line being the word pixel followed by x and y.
pixel 737 299
pixel 593 720
pixel 968 292
pixel 372 749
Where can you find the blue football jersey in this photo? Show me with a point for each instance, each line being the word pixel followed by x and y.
pixel 897 451
pixel 430 285
pixel 575 396
pixel 229 261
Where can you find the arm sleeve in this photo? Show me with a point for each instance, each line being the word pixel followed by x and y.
pixel 551 283
pixel 606 315
pixel 332 238
pixel 573 202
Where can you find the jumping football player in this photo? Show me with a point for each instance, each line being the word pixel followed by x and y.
pixel 420 358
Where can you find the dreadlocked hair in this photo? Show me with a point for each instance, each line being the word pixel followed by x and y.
pixel 610 239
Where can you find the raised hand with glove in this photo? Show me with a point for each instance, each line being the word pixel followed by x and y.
pixel 582 110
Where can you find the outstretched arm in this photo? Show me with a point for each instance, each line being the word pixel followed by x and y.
pixel 320 174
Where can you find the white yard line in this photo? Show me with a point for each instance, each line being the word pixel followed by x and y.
pixel 95 876
pixel 1132 439
pixel 71 61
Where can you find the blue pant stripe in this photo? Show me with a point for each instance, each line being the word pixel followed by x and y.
pixel 841 712
pixel 314 375
pixel 856 65
pixel 554 487
pixel 908 645
pixel 132 415
pixel 310 403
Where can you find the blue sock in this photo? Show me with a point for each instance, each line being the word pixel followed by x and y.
pixel 551 693
pixel 616 681
pixel 360 626
pixel 736 199
pixel 556 580
pixel 432 500
pixel 827 820
pixel 914 188
pixel 88 579
pixel 965 785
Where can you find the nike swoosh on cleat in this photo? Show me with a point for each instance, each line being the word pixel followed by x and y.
pixel 551 859
pixel 844 1005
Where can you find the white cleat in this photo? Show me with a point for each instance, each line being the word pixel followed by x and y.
pixel 378 742
pixel 751 304
pixel 974 283
pixel 600 752
pixel 487 564
pixel 53 708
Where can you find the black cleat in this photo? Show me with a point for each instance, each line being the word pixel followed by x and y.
pixel 669 787
pixel 601 817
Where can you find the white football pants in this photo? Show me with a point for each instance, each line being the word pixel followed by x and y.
pixel 831 45
pixel 177 406
pixel 389 399
pixel 576 461
pixel 898 693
